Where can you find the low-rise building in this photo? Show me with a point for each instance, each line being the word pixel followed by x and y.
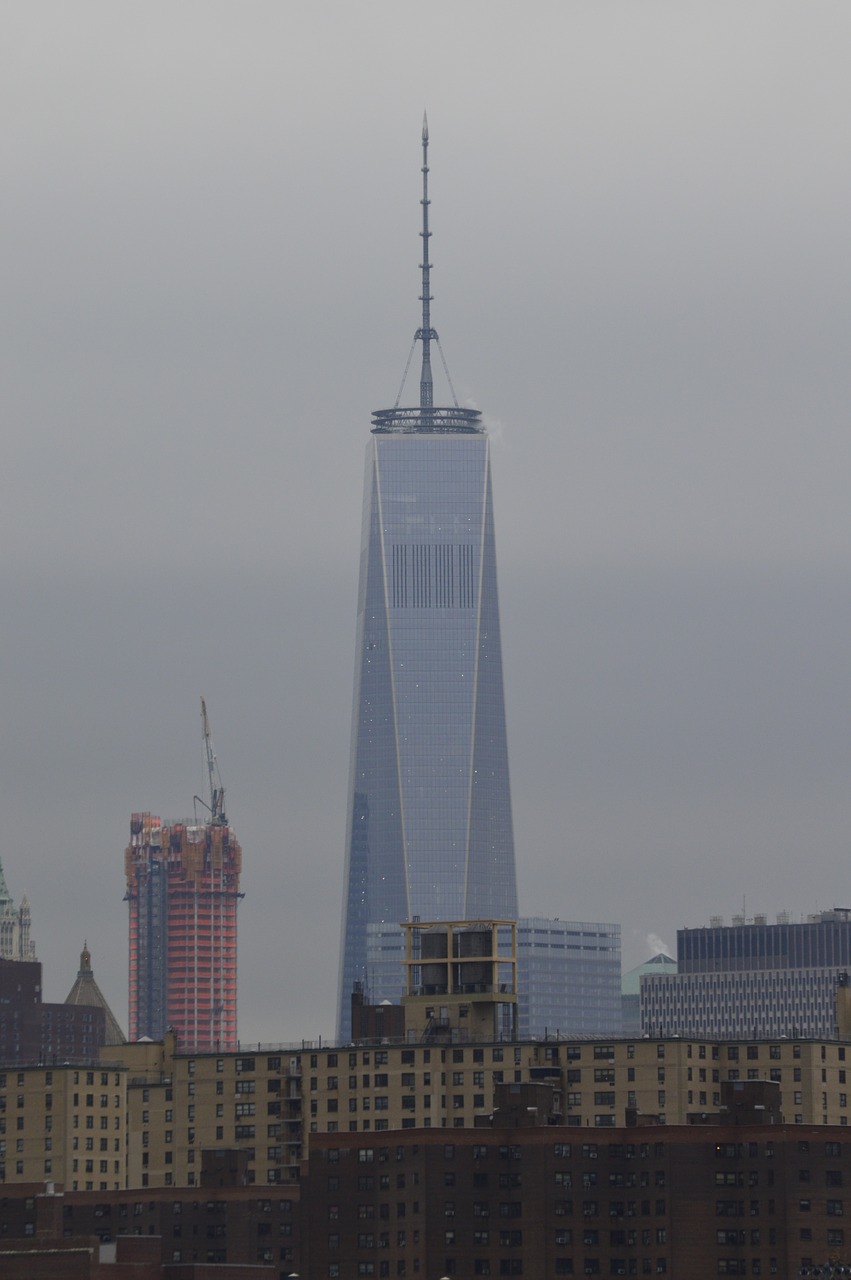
pixel 144 1118
pixel 544 1201
pixel 55 1233
pixel 523 1197
pixel 64 1122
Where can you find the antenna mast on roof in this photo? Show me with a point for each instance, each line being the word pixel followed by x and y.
pixel 426 333
pixel 425 417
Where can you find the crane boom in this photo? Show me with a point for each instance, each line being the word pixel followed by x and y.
pixel 217 792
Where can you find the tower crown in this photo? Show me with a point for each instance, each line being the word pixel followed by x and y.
pixel 425 417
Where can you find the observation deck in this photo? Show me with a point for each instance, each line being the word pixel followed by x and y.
pixel 427 420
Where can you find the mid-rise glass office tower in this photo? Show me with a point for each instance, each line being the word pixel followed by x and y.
pixel 429 821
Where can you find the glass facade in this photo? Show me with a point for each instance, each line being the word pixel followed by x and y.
pixel 568 978
pixel 430 832
pixel 755 1003
pixel 754 978
pixel 824 939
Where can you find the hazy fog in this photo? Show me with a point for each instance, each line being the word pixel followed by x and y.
pixel 209 279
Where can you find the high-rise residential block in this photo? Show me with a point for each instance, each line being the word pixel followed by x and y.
pixel 429 816
pixel 183 891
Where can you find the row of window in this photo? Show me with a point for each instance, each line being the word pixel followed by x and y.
pixel 561 1151
pixel 514 1267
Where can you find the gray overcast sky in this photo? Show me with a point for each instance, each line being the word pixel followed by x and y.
pixel 209 252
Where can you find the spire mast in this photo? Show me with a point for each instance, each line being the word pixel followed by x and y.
pixel 426 333
pixel 425 417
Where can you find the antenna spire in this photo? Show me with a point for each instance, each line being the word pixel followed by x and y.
pixel 426 333
pixel 426 418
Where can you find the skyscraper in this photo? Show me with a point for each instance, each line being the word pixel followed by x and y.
pixel 15 923
pixel 429 819
pixel 183 891
pixel 569 977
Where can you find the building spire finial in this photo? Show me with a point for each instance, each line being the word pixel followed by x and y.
pixel 425 417
pixel 426 333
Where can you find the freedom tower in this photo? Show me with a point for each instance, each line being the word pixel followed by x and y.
pixel 429 819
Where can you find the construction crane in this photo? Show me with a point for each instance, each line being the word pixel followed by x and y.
pixel 217 792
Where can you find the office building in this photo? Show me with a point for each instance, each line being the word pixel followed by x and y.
pixel 183 890
pixel 760 1002
pixel 659 964
pixel 429 831
pixel 821 941
pixel 568 978
pixel 752 978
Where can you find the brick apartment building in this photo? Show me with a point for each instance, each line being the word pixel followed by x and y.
pixel 521 1199
pixel 142 1115
pixel 537 1202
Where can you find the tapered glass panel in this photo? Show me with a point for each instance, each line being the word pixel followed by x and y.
pixel 430 831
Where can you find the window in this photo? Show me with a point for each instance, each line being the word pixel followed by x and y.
pixel 729 1208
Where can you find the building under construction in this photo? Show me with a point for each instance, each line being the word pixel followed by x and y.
pixel 183 891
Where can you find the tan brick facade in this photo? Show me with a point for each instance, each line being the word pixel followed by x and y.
pixel 158 1109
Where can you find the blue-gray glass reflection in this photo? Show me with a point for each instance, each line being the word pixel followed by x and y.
pixel 430 832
